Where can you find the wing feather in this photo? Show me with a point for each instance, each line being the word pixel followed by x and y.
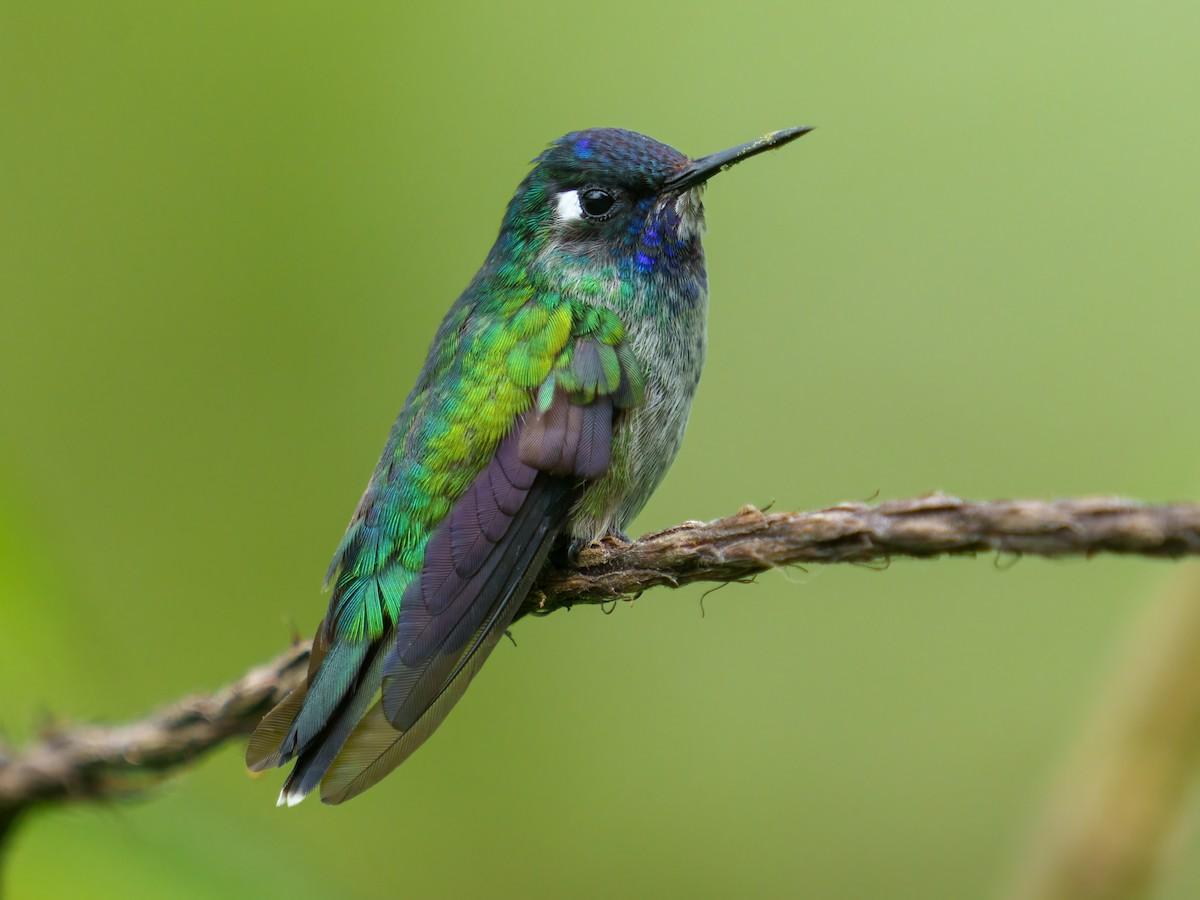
pixel 376 747
pixel 450 622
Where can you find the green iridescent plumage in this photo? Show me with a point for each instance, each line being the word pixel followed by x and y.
pixel 492 367
pixel 551 403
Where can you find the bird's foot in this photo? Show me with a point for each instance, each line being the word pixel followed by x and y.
pixel 575 547
pixel 611 539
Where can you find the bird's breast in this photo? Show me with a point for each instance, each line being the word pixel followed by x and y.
pixel 669 340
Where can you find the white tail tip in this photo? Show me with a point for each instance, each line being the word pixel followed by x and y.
pixel 289 799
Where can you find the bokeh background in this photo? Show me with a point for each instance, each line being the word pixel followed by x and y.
pixel 227 233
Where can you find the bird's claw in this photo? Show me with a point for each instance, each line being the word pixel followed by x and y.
pixel 576 546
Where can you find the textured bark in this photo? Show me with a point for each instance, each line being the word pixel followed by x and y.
pixel 753 541
pixel 95 762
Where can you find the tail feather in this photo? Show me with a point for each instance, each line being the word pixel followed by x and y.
pixel 307 718
pixel 263 750
pixel 315 759
pixel 334 682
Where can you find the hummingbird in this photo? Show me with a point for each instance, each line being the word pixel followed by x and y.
pixel 551 404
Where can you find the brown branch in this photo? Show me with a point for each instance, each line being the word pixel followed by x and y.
pixel 751 541
pixel 97 762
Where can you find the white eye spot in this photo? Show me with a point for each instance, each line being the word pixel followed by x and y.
pixel 568 208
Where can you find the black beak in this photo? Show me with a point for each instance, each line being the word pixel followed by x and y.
pixel 700 170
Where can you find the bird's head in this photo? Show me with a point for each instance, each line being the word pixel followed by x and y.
pixel 608 196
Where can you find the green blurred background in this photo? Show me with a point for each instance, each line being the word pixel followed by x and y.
pixel 227 233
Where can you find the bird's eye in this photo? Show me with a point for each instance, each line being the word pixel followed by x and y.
pixel 596 203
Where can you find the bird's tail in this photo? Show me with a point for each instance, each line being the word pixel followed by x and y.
pixel 311 723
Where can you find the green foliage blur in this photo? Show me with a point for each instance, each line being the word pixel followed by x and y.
pixel 227 233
